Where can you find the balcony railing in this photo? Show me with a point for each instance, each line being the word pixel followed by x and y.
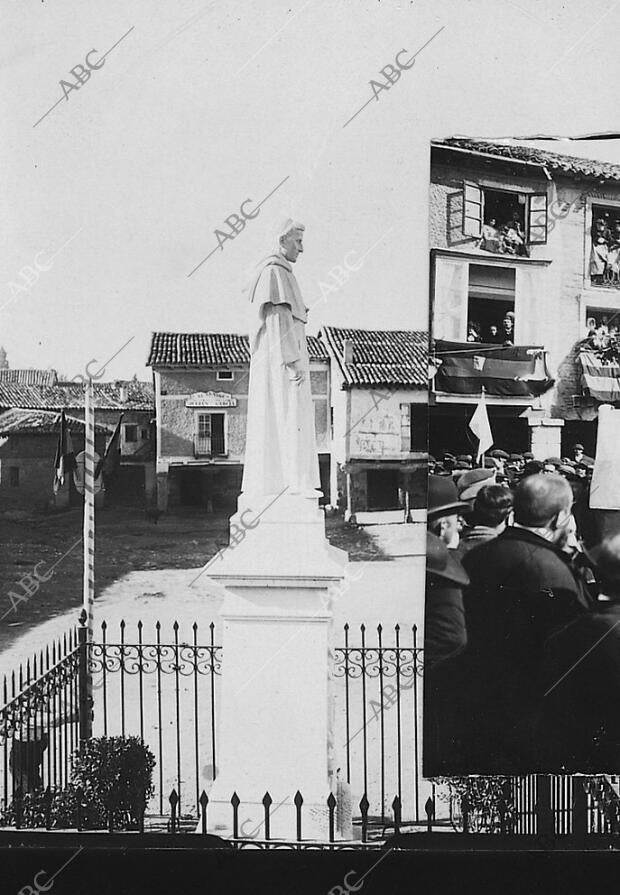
pixel 209 446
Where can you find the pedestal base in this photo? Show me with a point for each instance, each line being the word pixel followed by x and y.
pixel 275 726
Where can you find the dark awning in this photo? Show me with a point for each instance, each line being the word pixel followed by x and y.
pixel 512 371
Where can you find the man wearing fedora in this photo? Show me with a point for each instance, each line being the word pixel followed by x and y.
pixel 444 508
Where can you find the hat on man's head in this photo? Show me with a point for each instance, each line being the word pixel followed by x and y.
pixel 471 482
pixel 554 461
pixel 578 447
pixel 440 564
pixel 443 498
pixel 499 454
pixel 528 455
pixel 568 472
pixel 491 463
pixel 517 457
pixel 448 456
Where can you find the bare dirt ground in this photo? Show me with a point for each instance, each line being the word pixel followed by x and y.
pixel 126 542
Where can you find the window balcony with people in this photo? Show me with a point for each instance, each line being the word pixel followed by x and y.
pixel 604 264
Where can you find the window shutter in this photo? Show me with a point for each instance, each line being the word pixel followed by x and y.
pixel 537 219
pixel 405 428
pixel 472 209
pixel 449 320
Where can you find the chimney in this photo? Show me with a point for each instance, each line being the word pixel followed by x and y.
pixel 347 351
pixel 123 393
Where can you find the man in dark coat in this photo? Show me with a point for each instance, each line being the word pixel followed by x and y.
pixel 445 638
pixel 580 722
pixel 522 589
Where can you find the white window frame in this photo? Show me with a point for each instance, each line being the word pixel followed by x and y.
pixel 207 412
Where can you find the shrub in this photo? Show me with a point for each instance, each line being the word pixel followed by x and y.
pixel 115 774
pixel 110 775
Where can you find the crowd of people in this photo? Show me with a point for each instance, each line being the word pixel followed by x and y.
pixel 605 252
pixel 603 339
pixel 507 238
pixel 501 333
pixel 522 635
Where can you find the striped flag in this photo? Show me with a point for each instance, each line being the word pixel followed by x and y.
pixel 64 461
pixel 481 427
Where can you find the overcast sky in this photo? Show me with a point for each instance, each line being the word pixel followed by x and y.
pixel 204 105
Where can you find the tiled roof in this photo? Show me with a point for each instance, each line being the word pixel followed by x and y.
pixel 41 422
pixel 107 395
pixel 565 164
pixel 380 356
pixel 29 377
pixel 210 349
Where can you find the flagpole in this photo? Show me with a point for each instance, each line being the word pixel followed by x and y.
pixel 482 454
pixel 88 591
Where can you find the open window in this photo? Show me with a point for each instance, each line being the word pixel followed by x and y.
pixel 604 265
pixel 505 221
pixel 491 304
pixel 209 439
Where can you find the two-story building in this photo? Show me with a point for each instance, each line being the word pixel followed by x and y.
pixel 201 397
pixel 524 261
pixel 379 383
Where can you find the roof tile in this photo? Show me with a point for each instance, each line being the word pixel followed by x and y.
pixel 567 164
pixel 210 349
pixel 381 357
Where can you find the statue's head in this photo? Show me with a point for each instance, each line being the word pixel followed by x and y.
pixel 290 239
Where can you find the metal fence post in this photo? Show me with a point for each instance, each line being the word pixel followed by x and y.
pixel 85 683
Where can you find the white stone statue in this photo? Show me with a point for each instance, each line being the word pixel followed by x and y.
pixel 280 450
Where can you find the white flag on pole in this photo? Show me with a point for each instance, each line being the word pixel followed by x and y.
pixel 481 427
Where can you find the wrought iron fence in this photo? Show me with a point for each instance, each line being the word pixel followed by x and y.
pixel 40 717
pixel 164 691
pixel 381 720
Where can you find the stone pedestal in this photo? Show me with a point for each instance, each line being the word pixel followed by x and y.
pixel 274 731
pixel 545 437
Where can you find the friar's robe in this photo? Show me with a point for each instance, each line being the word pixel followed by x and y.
pixel 280 447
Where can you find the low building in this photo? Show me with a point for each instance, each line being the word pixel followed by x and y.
pixel 28 441
pixel 201 395
pixel 379 386
pixel 530 236
pixel 42 390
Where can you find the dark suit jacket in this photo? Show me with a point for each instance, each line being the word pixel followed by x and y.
pixel 579 724
pixel 522 589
